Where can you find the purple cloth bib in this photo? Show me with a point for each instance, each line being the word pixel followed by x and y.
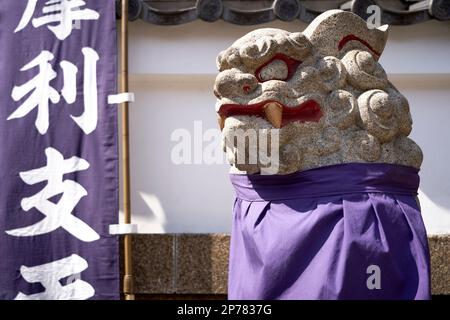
pixel 348 231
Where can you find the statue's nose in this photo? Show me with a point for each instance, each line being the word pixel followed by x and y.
pixel 233 83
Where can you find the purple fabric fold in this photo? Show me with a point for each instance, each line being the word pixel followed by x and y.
pixel 349 231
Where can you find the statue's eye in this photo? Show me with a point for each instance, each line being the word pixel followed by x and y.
pixel 280 67
pixel 276 70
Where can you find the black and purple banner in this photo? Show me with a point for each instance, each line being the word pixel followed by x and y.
pixel 58 143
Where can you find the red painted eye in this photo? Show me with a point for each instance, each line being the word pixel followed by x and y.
pixel 246 88
pixel 280 67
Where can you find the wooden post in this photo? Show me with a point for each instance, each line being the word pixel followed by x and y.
pixel 128 280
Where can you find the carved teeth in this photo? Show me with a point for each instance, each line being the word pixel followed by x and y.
pixel 221 120
pixel 274 114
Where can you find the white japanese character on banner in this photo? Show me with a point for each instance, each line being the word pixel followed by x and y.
pixel 57 215
pixel 43 92
pixel 62 12
pixel 50 274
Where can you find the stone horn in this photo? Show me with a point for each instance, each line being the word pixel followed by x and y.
pixel 352 33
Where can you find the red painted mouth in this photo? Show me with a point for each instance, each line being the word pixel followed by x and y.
pixel 308 111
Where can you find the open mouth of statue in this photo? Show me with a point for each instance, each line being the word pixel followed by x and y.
pixel 275 112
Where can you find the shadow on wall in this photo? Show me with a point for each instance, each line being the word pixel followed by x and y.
pixel 429 104
pixel 167 197
pixel 157 218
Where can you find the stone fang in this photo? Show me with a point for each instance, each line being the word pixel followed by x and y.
pixel 274 114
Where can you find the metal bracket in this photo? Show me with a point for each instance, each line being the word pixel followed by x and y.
pixel 121 97
pixel 123 228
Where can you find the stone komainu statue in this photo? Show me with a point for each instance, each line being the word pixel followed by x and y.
pixel 338 217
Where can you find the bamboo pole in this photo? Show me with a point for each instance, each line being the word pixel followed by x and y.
pixel 128 280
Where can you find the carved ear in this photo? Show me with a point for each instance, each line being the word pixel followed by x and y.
pixel 335 32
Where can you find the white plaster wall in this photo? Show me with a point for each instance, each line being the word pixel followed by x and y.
pixel 172 73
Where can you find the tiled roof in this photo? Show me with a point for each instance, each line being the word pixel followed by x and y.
pixel 246 12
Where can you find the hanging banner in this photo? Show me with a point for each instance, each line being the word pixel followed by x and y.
pixel 59 157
